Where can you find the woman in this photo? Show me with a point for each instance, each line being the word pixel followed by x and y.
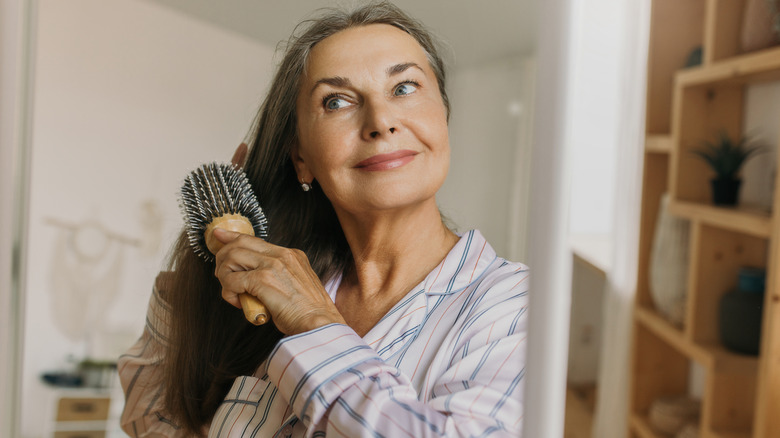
pixel 385 322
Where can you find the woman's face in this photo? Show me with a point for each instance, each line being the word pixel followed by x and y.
pixel 372 126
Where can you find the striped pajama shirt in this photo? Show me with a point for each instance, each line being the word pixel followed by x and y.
pixel 447 360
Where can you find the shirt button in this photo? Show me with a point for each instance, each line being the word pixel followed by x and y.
pixel 287 431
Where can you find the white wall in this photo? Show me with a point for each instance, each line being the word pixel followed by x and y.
pixel 491 104
pixel 129 97
pixel 761 122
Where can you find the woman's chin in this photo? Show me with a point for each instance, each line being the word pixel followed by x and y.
pixel 388 201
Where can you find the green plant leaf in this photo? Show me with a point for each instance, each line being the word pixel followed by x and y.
pixel 726 156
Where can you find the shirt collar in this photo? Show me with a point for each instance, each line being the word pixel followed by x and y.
pixel 464 264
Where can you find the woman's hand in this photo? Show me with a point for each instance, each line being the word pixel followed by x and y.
pixel 281 278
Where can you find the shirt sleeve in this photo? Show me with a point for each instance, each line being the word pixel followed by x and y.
pixel 141 375
pixel 338 385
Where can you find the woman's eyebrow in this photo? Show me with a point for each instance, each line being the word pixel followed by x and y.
pixel 400 68
pixel 335 81
pixel 342 82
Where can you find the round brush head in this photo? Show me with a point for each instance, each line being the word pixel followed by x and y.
pixel 218 192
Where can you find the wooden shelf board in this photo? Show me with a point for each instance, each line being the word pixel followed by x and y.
pixel 731 433
pixel 712 357
pixel 760 66
pixel 658 143
pixel 672 335
pixel 747 220
pixel 641 427
pixel 727 362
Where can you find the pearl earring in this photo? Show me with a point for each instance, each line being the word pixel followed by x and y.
pixel 305 186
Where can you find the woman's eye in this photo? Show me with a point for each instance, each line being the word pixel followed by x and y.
pixel 405 88
pixel 334 102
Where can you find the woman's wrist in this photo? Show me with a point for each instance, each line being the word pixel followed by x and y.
pixel 321 321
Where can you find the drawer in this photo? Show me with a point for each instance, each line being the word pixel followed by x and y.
pixel 83 409
pixel 81 434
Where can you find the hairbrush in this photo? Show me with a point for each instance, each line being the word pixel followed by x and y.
pixel 217 195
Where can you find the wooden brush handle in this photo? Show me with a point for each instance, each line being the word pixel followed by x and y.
pixel 254 311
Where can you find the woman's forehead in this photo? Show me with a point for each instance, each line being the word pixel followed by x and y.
pixel 373 46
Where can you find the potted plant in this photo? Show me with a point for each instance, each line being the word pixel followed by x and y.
pixel 726 156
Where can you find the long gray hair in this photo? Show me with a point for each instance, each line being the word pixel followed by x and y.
pixel 211 342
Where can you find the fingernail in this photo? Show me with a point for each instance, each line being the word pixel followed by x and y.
pixel 223 232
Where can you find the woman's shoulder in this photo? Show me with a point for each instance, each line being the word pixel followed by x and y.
pixel 496 300
pixel 499 270
pixel 505 279
pixel 501 279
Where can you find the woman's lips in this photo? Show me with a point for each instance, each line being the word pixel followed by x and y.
pixel 387 161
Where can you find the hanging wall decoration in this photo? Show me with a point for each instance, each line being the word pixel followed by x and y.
pixel 86 270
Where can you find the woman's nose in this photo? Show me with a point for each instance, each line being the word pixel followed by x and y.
pixel 379 120
pixel 375 134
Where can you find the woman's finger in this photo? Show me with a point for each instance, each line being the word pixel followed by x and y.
pixel 235 283
pixel 281 278
pixel 225 236
pixel 246 264
pixel 236 259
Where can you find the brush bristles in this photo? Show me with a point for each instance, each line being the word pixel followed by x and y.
pixel 214 190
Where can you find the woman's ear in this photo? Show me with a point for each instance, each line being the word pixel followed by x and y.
pixel 304 175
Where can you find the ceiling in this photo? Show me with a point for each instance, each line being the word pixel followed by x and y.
pixel 476 31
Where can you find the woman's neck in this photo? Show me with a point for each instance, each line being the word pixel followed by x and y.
pixel 393 252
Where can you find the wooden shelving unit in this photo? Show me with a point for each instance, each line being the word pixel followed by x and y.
pixel 658 144
pixel 641 428
pixel 747 220
pixel 741 396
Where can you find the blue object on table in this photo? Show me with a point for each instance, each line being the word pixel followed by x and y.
pixel 741 312
pixel 64 379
